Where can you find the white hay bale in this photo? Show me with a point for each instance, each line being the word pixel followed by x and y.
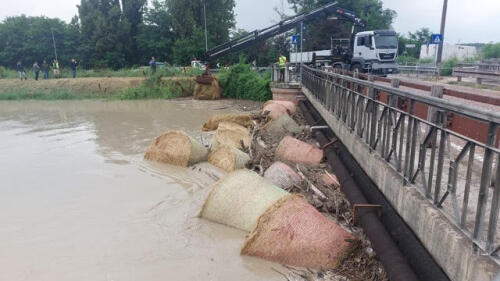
pixel 239 199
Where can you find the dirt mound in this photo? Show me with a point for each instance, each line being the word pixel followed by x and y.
pixel 293 232
pixel 245 120
pixel 176 148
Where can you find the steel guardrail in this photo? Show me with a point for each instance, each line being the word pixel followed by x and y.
pixel 455 172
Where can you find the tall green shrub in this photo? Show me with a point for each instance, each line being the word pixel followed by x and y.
pixel 241 82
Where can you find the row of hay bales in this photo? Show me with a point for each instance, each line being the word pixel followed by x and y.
pixel 282 227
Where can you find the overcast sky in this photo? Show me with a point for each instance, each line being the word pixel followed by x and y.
pixel 468 20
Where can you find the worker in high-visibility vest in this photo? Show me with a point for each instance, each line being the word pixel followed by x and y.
pixel 282 64
pixel 55 68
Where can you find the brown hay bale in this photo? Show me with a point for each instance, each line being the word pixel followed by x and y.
pixel 282 126
pixel 228 158
pixel 290 106
pixel 297 151
pixel 176 148
pixel 208 92
pixel 239 199
pixel 231 134
pixel 275 110
pixel 293 232
pixel 244 120
pixel 282 175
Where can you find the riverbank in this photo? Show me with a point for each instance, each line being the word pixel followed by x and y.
pixel 96 88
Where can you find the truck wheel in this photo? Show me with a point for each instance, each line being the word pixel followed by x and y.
pixel 357 67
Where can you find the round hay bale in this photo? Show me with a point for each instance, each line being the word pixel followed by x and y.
pixel 290 106
pixel 293 232
pixel 239 199
pixel 297 151
pixel 244 120
pixel 228 158
pixel 282 126
pixel 208 92
pixel 282 175
pixel 176 148
pixel 275 110
pixel 231 134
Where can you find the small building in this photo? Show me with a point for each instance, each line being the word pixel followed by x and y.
pixel 449 51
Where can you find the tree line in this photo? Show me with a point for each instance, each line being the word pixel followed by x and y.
pixel 124 33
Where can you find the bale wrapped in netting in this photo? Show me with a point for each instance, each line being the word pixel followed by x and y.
pixel 212 124
pixel 293 232
pixel 275 110
pixel 231 134
pixel 297 151
pixel 176 148
pixel 228 158
pixel 282 175
pixel 210 91
pixel 290 106
pixel 239 199
pixel 282 126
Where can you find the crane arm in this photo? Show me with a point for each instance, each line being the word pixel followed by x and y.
pixel 252 38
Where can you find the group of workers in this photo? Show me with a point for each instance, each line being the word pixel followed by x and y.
pixel 45 69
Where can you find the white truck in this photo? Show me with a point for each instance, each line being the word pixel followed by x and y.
pixel 372 52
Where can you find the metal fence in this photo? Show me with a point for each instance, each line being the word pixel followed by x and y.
pixel 456 173
pixel 419 70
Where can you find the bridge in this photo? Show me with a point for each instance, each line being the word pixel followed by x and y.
pixel 432 152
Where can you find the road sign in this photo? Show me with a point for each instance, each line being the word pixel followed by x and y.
pixel 294 39
pixel 437 39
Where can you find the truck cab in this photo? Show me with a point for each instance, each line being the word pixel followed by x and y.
pixel 375 52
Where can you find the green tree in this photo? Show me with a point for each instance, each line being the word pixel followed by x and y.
pixel 29 39
pixel 491 51
pixel 418 38
pixel 132 17
pixel 155 36
pixel 188 23
pixel 318 35
pixel 103 33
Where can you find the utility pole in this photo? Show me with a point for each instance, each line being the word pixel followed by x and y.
pixel 301 49
pixel 205 15
pixel 54 41
pixel 443 25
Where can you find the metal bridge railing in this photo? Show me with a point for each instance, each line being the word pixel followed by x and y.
pixel 292 73
pixel 458 174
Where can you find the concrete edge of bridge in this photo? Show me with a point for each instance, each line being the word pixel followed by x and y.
pixel 449 246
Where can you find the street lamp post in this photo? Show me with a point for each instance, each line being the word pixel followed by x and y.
pixel 205 16
pixel 443 24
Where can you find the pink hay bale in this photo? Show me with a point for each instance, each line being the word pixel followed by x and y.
pixel 296 151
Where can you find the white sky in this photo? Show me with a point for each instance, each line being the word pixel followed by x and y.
pixel 468 20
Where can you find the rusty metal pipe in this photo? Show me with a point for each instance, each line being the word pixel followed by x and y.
pixel 391 257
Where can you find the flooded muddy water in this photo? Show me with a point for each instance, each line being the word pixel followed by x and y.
pixel 78 202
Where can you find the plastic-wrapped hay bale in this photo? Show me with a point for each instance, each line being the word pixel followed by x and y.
pixel 293 232
pixel 275 110
pixel 176 148
pixel 239 199
pixel 297 151
pixel 282 175
pixel 290 106
pixel 244 120
pixel 228 158
pixel 231 134
pixel 282 126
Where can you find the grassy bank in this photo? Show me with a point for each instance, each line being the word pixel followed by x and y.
pixel 239 82
pixel 168 71
pixel 156 87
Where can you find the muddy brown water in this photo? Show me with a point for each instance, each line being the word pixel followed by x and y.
pixel 78 202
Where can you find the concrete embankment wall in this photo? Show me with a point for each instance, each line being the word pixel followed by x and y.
pixel 450 247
